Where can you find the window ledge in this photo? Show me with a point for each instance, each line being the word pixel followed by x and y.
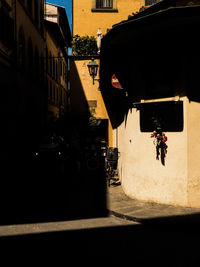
pixel 111 10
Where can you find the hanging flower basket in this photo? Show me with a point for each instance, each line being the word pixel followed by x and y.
pixel 160 140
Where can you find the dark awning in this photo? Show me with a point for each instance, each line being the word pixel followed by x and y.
pixel 153 55
pixel 146 24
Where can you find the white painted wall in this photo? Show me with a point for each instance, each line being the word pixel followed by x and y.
pixel 142 176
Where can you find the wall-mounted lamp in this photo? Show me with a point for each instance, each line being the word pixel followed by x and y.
pixel 93 68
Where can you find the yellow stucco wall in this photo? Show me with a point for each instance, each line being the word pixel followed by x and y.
pixel 83 91
pixel 86 22
pixel 91 91
pixel 145 178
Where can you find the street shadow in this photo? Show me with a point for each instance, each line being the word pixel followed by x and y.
pixel 34 191
pixel 46 191
pixel 189 222
pixel 170 241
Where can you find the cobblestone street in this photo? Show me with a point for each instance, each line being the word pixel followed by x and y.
pixel 138 235
pixel 73 225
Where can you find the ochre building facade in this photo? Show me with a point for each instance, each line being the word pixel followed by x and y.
pixel 87 17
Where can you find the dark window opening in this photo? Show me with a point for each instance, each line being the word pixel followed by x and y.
pixel 50 64
pixel 50 90
pixel 42 20
pixel 6 28
pixel 92 103
pixel 37 63
pixel 53 64
pixel 47 60
pixel 30 56
pixel 42 69
pixel 61 68
pixel 36 12
pixel 104 3
pixel 21 52
pixel 151 2
pixel 30 8
pixel 167 115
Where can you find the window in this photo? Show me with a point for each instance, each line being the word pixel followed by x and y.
pixel 61 68
pixel 167 114
pixel 53 93
pixel 92 103
pixel 50 90
pixel 6 27
pixel 36 12
pixel 37 63
pixel 21 48
pixel 47 60
pixel 50 64
pixel 30 55
pixel 22 1
pixel 42 68
pixel 104 6
pixel 42 19
pixel 104 3
pixel 56 74
pixel 30 8
pixel 57 96
pixel 54 69
pixel 151 2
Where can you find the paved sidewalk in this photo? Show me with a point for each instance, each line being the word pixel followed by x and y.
pixel 122 206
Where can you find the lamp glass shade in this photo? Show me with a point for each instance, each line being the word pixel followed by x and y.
pixel 93 68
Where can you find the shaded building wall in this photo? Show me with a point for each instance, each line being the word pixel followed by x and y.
pixel 30 91
pixel 22 76
pixel 58 38
pixel 52 76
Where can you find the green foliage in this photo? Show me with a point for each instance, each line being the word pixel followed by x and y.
pixel 84 46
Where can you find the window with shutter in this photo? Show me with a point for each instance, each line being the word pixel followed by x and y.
pixel 104 3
